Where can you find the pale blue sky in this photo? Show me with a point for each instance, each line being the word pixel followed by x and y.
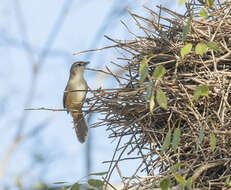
pixel 63 155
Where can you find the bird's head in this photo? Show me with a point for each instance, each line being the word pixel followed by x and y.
pixel 78 66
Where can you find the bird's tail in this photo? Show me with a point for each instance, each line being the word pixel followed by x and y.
pixel 80 126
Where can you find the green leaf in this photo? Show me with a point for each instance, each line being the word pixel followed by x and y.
pixel 201 48
pixel 203 13
pixel 95 183
pixel 153 185
pixel 75 186
pixel 176 139
pixel 181 187
pixel 186 49
pixel 228 181
pixel 152 103
pixel 41 186
pixel 175 167
pixel 198 169
pixel 165 184
pixel 201 136
pixel 213 141
pixel 18 182
pixel 161 98
pixel 143 70
pixel 187 28
pixel 166 141
pixel 214 46
pixel 189 183
pixel 148 92
pixel 180 179
pixel 66 187
pixel 158 72
pixel 60 182
pixel 201 91
pixel 209 3
pixel 100 173
pixel 180 2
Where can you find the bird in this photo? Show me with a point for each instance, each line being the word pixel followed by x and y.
pixel 74 97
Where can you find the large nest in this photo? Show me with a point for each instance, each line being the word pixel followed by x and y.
pixel 202 125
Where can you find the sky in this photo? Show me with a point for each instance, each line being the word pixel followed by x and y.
pixel 27 28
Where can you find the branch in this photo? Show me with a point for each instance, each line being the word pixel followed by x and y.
pixel 48 109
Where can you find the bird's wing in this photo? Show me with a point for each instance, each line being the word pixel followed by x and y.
pixel 64 99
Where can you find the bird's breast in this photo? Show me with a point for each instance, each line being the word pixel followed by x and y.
pixel 78 96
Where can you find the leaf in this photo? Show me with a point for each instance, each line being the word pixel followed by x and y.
pixel 228 181
pixel 100 173
pixel 66 187
pixel 161 99
pixel 198 169
pixel 201 48
pixel 148 92
pixel 75 186
pixel 214 46
pixel 95 183
pixel 143 70
pixel 203 13
pixel 187 28
pixel 180 2
pixel 153 185
pixel 201 136
pixel 60 182
pixel 42 186
pixel 165 184
pixel 158 72
pixel 176 139
pixel 201 91
pixel 181 187
pixel 175 167
pixel 189 183
pixel 229 184
pixel 152 103
pixel 186 49
pixel 166 141
pixel 213 141
pixel 180 179
pixel 18 182
pixel 209 3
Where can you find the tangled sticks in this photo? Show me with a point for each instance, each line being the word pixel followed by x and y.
pixel 178 125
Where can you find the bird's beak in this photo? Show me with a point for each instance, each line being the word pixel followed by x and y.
pixel 86 63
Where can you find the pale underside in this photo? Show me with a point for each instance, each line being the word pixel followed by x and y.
pixel 73 100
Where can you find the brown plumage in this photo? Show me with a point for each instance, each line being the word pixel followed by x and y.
pixel 74 100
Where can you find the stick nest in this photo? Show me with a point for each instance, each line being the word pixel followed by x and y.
pixel 203 155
